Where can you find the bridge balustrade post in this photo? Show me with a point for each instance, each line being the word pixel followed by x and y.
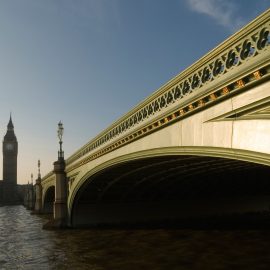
pixel 60 204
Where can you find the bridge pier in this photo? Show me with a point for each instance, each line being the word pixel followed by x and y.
pixel 60 213
pixel 38 199
pixel 60 203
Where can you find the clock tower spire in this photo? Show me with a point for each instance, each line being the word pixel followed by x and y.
pixel 10 153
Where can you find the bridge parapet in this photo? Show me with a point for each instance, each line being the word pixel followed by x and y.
pixel 224 68
pixel 235 65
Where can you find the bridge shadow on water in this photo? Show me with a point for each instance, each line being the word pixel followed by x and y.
pixel 235 221
pixel 212 243
pixel 188 246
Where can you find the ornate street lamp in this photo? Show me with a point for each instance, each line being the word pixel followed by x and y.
pixel 60 133
pixel 60 210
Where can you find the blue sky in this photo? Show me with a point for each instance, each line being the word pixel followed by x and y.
pixel 87 62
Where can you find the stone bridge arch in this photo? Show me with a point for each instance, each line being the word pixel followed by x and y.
pixel 48 200
pixel 171 183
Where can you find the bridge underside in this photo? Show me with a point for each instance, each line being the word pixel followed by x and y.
pixel 172 188
pixel 49 200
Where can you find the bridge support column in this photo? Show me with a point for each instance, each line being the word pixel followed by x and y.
pixel 60 204
pixel 38 197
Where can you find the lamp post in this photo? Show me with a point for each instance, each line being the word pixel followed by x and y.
pixel 60 133
pixel 60 203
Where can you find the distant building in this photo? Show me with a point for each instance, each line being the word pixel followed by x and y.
pixel 8 186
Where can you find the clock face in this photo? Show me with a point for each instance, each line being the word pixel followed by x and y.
pixel 9 146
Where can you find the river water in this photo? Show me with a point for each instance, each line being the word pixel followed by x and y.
pixel 24 245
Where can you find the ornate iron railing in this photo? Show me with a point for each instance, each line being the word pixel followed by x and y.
pixel 248 43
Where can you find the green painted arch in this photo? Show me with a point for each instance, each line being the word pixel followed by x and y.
pixel 228 153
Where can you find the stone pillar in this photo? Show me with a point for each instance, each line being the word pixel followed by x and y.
pixel 60 203
pixel 31 198
pixel 38 196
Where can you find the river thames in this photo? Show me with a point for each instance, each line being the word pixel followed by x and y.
pixel 25 245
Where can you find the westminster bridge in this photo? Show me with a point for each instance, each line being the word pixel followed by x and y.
pixel 199 145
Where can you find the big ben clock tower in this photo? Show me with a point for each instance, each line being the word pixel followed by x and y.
pixel 10 152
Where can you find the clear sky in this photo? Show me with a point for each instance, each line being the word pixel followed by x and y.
pixel 88 62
